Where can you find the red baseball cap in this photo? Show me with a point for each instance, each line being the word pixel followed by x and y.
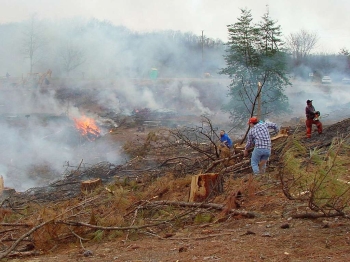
pixel 253 120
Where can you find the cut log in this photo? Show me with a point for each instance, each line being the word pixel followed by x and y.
pixel 89 185
pixel 278 136
pixel 238 148
pixel 284 132
pixel 204 185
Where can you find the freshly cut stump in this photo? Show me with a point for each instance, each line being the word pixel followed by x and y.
pixel 203 185
pixel 89 185
pixel 1 185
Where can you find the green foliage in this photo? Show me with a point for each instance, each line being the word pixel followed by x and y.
pixel 133 235
pixel 98 235
pixel 203 218
pixel 319 180
pixel 115 234
pixel 255 54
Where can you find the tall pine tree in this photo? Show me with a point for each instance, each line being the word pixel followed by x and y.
pixel 255 54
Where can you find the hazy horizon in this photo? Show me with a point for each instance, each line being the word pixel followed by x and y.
pixel 107 53
pixel 328 19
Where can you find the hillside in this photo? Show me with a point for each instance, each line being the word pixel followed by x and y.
pixel 139 212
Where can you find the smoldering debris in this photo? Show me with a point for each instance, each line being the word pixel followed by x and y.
pixel 69 186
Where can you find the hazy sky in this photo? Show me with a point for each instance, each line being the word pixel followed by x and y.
pixel 330 19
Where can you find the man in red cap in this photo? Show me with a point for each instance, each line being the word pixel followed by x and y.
pixel 312 118
pixel 259 137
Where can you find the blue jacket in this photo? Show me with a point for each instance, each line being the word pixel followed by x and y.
pixel 226 140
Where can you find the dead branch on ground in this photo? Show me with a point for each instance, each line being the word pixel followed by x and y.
pixel 31 231
pixel 202 205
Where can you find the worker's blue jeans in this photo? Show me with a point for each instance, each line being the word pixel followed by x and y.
pixel 258 155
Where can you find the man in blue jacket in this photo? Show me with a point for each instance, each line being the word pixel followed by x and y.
pixel 259 138
pixel 225 139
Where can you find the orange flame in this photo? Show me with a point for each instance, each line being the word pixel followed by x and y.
pixel 87 127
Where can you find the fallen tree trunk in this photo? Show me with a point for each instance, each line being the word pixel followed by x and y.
pixel 231 168
pixel 317 215
pixel 15 225
pixel 220 207
pixel 217 162
pixel 160 203
pixel 25 253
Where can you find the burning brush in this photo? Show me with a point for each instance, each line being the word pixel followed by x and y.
pixel 87 127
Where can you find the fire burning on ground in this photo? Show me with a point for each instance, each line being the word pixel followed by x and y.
pixel 87 127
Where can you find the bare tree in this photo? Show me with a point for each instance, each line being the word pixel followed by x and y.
pixel 72 57
pixel 33 41
pixel 301 44
pixel 345 52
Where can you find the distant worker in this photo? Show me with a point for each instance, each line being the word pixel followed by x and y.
pixel 225 139
pixel 7 75
pixel 312 117
pixel 259 138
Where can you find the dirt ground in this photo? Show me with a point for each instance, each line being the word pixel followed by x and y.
pixel 272 235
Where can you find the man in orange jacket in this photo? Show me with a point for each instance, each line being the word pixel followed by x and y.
pixel 312 118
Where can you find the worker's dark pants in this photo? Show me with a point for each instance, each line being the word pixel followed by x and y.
pixel 309 123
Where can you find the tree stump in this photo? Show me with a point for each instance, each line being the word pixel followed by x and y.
pixel 1 185
pixel 7 192
pixel 204 185
pixel 89 185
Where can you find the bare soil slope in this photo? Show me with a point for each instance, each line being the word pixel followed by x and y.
pixel 264 228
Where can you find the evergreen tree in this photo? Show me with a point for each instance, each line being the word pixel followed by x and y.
pixel 273 67
pixel 255 55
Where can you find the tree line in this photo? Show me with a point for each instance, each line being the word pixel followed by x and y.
pixel 256 55
pixel 98 49
pixel 261 65
pixel 94 48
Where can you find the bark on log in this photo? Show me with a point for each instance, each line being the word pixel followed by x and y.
pixel 25 253
pixel 203 185
pixel 203 205
pixel 317 215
